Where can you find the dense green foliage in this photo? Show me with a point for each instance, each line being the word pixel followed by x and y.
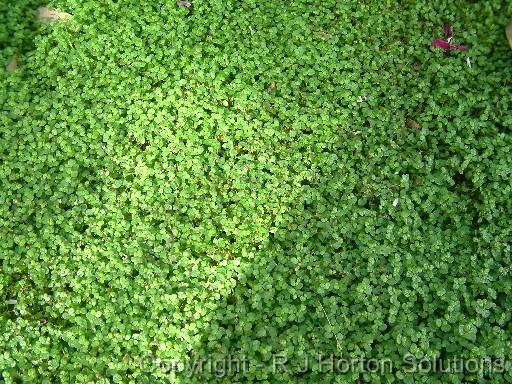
pixel 179 183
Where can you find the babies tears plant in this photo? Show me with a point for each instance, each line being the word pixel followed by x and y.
pixel 256 181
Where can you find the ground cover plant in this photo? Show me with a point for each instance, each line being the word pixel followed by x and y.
pixel 257 182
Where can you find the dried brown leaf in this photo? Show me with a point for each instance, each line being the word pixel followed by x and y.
pixel 13 64
pixel 184 4
pixel 45 15
pixel 411 123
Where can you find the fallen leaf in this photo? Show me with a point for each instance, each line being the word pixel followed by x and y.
pixel 441 44
pixel 184 4
pixel 447 46
pixel 45 15
pixel 460 47
pixel 509 34
pixel 448 31
pixel 411 123
pixel 13 64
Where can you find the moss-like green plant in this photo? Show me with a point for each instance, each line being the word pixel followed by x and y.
pixel 254 181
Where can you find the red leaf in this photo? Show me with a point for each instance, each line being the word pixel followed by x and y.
pixel 447 46
pixel 448 31
pixel 441 44
pixel 459 47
